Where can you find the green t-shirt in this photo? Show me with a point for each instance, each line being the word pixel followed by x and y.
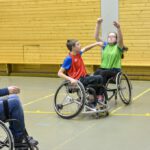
pixel 111 56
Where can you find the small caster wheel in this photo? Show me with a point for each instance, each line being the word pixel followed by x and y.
pixel 97 116
pixel 107 113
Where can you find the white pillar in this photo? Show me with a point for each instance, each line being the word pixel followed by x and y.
pixel 109 12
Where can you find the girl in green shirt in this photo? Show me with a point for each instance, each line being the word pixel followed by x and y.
pixel 112 51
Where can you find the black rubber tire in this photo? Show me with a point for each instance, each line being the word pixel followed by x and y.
pixel 10 141
pixel 69 116
pixel 122 97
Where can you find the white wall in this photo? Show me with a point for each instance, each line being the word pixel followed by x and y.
pixel 109 12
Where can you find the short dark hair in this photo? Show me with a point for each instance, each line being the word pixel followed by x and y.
pixel 70 43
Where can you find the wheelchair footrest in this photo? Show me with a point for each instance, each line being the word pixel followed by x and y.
pixel 90 110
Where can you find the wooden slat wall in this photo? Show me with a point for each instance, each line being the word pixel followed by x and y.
pixel 35 31
pixel 135 21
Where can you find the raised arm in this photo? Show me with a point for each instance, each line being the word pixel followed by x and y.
pixel 119 34
pixel 87 48
pixel 97 29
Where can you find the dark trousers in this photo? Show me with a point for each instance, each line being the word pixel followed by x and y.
pixel 107 73
pixel 93 80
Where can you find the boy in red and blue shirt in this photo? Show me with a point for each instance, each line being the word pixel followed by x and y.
pixel 73 67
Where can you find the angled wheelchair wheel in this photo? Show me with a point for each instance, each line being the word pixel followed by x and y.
pixel 69 99
pixel 6 138
pixel 124 88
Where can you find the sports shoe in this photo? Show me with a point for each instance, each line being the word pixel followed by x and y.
pixel 31 141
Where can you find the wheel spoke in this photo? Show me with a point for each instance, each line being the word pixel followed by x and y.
pixel 6 139
pixel 69 100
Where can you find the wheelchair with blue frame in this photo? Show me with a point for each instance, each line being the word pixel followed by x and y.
pixel 70 100
pixel 6 138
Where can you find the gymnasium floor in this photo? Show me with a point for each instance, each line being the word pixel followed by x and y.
pixel 127 128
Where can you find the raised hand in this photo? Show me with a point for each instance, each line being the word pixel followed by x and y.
pixel 99 20
pixel 116 24
pixel 99 44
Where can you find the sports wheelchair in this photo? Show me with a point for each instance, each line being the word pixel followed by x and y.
pixel 7 140
pixel 70 100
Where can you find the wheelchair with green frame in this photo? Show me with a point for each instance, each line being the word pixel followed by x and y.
pixel 70 100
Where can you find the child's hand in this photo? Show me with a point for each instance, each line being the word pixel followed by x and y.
pixel 99 20
pixel 99 44
pixel 116 24
pixel 13 90
pixel 73 81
